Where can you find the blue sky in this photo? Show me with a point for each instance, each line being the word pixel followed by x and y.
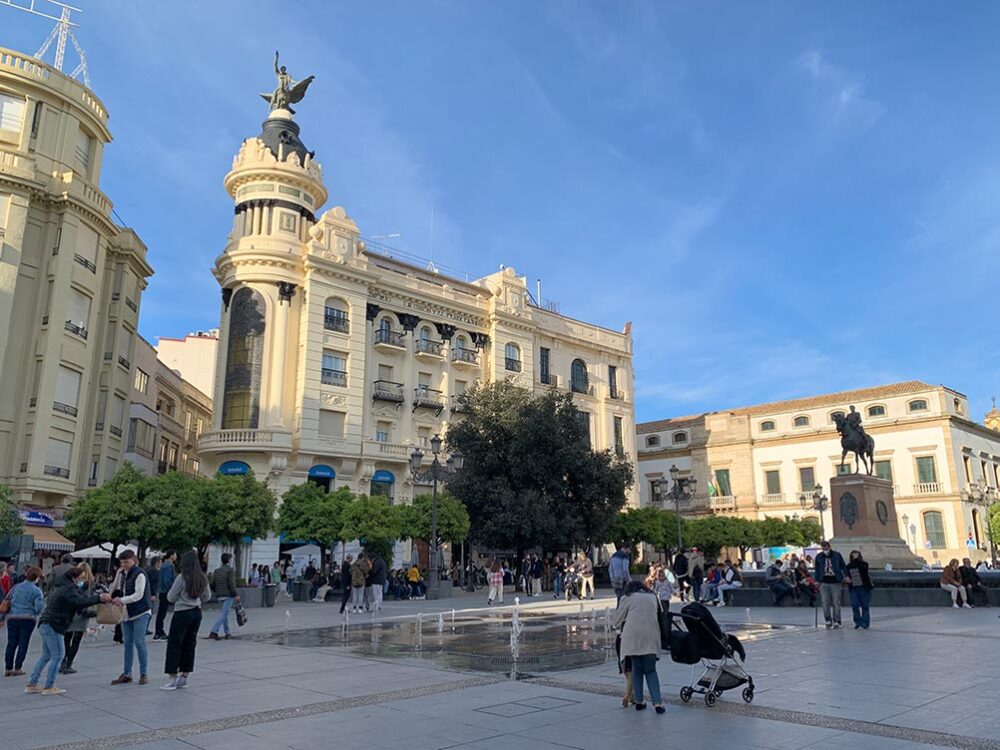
pixel 784 198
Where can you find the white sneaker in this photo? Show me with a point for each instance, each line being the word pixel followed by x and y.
pixel 966 606
pixel 720 604
pixel 182 683
pixel 172 685
pixel 955 606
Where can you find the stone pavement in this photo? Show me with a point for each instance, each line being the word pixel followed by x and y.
pixel 918 679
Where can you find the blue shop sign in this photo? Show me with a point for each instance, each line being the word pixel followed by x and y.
pixel 384 476
pixel 34 518
pixel 321 471
pixel 230 468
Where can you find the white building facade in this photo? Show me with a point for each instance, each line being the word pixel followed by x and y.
pixel 760 461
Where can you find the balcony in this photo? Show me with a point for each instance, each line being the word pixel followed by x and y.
pixel 427 349
pixel 334 377
pixel 334 320
pixel 585 388
pixel 457 407
pixel 85 263
pixel 389 340
pixel 116 431
pixel 386 390
pixel 428 398
pixel 388 450
pixel 161 467
pixel 773 498
pixel 92 482
pixel 108 356
pixel 45 320
pixel 123 361
pixel 76 329
pixel 511 365
pixel 927 488
pixel 615 394
pixel 722 502
pixel 32 402
pixel 56 471
pixel 234 441
pixel 547 378
pixel 64 408
pixel 465 358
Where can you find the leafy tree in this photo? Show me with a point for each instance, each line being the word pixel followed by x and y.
pixel 373 522
pixel 637 525
pixel 10 517
pixel 230 508
pixel 309 513
pixel 452 521
pixel 530 476
pixel 809 532
pixel 709 534
pixel 171 519
pixel 109 514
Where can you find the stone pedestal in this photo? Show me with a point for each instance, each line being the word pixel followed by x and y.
pixel 864 518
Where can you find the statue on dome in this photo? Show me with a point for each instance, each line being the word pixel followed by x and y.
pixel 288 91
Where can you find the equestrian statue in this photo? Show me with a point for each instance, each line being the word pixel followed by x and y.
pixel 853 438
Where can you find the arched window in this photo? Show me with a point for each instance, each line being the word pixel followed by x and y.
pixel 578 379
pixel 876 411
pixel 244 361
pixel 652 441
pixel 335 315
pixel 934 529
pixel 425 333
pixel 802 421
pixel 767 426
pixel 680 437
pixel 512 358
pixel 917 405
pixel 461 343
pixel 383 483
pixel 833 415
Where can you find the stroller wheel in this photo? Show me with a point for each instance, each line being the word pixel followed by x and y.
pixel 748 694
pixel 686 694
pixel 710 698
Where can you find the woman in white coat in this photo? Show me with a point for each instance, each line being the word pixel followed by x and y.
pixel 638 619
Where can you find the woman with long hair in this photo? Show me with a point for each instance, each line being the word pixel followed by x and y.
pixel 78 628
pixel 26 603
pixel 188 593
pixel 495 578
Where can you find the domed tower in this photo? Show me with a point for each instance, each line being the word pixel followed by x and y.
pixel 277 188
pixel 992 419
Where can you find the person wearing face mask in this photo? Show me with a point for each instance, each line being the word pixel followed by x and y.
pixel 78 627
pixel 861 590
pixel 830 572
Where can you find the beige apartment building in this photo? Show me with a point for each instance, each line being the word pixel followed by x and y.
pixel 167 415
pixel 760 461
pixel 337 360
pixel 192 357
pixel 70 288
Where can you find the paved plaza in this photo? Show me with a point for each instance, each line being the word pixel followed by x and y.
pixel 917 679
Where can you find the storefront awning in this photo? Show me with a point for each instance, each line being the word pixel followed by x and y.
pixel 46 538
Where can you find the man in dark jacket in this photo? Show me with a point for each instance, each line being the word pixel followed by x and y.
pixel 57 577
pixel 153 576
pixel 377 579
pixel 166 580
pixel 680 568
pixel 829 573
pixel 224 589
pixel 345 582
pixel 973 584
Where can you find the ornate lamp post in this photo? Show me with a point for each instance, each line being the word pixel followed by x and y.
pixel 683 490
pixel 815 501
pixel 981 495
pixel 437 471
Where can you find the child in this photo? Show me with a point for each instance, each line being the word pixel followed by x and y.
pixel 663 587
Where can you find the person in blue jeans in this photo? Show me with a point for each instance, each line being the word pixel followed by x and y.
pixel 26 604
pixel 637 617
pixel 65 600
pixel 618 570
pixel 131 581
pixel 223 585
pixel 861 590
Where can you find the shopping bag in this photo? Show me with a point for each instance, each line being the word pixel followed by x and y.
pixel 109 614
pixel 241 614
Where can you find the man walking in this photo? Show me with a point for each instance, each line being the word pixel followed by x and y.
pixel 377 579
pixel 166 580
pixel 586 569
pixel 680 568
pixel 536 575
pixel 345 582
pixel 618 569
pixel 830 572
pixel 224 588
pixel 57 576
pixel 359 573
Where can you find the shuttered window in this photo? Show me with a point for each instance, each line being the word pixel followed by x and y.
pixel 86 243
pixel 57 453
pixel 331 423
pixel 67 386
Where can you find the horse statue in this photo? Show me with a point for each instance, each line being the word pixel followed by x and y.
pixel 854 439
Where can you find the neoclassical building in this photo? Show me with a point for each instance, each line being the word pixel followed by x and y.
pixel 71 282
pixel 759 461
pixel 335 361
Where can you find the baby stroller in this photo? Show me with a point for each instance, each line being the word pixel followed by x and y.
pixel 722 655
pixel 572 583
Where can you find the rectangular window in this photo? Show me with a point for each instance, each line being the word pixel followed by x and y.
pixel 141 438
pixel 619 437
pixel 773 481
pixel 141 381
pixel 926 470
pixel 543 365
pixel 36 119
pixel 86 243
pixel 654 491
pixel 807 478
pixel 461 387
pixel 845 468
pixel 117 414
pixel 383 431
pixel 197 427
pixel 331 423
pixel 102 408
pixel 164 447
pixel 424 379
pixel 287 222
pixel 986 472
pixel 11 112
pixel 967 464
pixel 57 456
pixel 584 418
pixel 84 145
pixel 110 468
pixel 67 387
pixel 172 456
pixel 722 482
pixel 334 368
pixel 78 312
pixel 95 462
pixel 613 381
pixel 385 372
pixel 883 470
pixel 424 437
pixel 934 529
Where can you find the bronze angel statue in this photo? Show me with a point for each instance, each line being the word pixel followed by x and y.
pixel 288 91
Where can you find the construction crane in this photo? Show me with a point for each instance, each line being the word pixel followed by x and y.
pixel 62 32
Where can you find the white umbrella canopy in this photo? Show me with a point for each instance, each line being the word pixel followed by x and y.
pixel 103 551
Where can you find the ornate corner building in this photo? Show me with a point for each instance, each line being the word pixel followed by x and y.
pixel 70 287
pixel 336 360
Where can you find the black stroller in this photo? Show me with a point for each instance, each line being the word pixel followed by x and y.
pixel 722 655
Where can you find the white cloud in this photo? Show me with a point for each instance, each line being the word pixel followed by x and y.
pixel 840 92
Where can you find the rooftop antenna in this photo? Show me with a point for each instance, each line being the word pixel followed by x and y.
pixel 62 31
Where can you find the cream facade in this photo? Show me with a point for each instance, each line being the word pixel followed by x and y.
pixel 337 361
pixel 193 357
pixel 71 283
pixel 758 461
pixel 167 415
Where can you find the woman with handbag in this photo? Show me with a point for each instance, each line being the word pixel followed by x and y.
pixel 78 628
pixel 188 593
pixel 22 606
pixel 638 618
pixel 65 600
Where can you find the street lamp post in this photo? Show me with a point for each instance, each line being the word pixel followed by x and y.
pixel 906 527
pixel 816 501
pixel 981 495
pixel 437 471
pixel 683 490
